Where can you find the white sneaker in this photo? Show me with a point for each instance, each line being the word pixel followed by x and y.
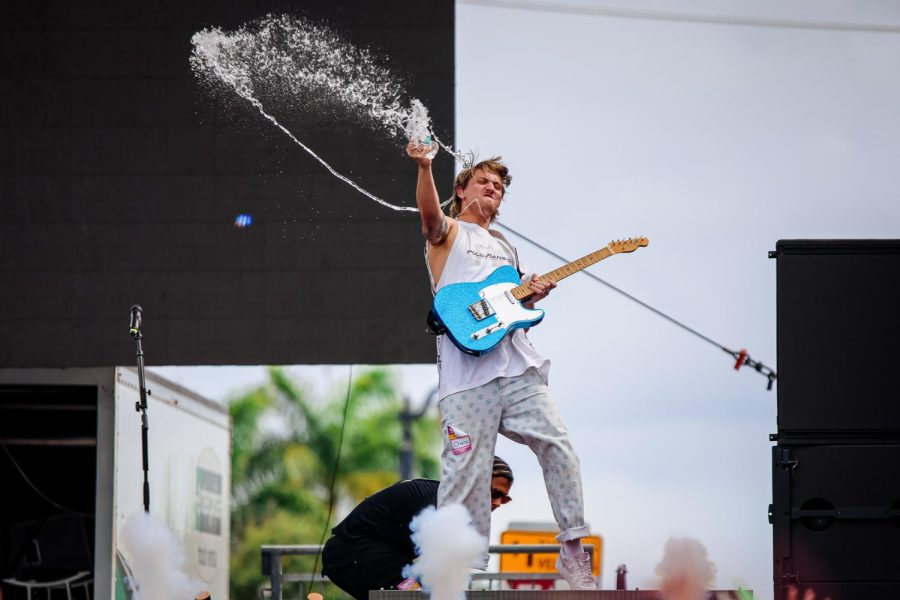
pixel 577 571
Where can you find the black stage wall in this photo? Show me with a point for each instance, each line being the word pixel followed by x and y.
pixel 120 182
pixel 836 494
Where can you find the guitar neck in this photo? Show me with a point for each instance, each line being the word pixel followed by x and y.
pixel 523 291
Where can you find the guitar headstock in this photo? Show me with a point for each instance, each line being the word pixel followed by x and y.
pixel 629 245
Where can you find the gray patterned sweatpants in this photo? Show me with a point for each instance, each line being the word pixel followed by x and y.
pixel 522 409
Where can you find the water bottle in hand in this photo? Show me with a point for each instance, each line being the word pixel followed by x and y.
pixel 428 140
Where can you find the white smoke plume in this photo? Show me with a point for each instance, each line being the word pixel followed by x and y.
pixel 156 560
pixel 448 547
pixel 685 572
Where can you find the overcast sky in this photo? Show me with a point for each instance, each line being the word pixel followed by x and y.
pixel 715 141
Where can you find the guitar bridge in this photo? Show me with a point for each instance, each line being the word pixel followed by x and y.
pixel 481 310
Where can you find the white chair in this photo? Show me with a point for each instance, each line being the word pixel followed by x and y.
pixel 66 584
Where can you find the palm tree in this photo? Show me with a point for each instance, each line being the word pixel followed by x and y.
pixel 286 476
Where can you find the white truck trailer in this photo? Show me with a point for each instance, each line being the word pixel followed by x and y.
pixel 71 474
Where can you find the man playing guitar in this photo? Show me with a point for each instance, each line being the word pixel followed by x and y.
pixel 505 390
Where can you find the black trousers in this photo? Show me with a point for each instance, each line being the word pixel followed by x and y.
pixel 357 566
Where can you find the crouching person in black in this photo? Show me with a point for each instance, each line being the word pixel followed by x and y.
pixel 369 549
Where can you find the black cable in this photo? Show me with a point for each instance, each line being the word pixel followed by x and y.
pixel 334 473
pixel 34 487
pixel 742 357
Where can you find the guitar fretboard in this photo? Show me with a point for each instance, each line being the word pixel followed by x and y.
pixel 523 291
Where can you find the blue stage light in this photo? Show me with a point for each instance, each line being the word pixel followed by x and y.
pixel 243 220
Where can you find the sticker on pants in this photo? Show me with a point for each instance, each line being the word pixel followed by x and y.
pixel 460 442
pixel 409 584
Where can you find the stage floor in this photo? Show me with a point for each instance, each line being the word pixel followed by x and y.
pixel 557 595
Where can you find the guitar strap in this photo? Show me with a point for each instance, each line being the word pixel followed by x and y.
pixel 432 327
pixel 515 253
pixel 428 268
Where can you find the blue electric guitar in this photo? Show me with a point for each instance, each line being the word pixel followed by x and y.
pixel 478 315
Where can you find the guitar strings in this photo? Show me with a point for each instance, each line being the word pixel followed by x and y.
pixel 742 357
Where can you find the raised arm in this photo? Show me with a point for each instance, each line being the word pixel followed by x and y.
pixel 435 225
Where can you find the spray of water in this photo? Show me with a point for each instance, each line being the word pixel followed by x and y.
pixel 448 547
pixel 156 560
pixel 297 62
pixel 685 572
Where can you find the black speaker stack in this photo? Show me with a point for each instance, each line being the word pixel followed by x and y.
pixel 835 510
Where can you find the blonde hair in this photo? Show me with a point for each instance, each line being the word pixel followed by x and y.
pixel 492 165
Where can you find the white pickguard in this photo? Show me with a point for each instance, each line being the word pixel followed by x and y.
pixel 505 308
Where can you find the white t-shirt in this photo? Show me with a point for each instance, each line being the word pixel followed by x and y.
pixel 475 254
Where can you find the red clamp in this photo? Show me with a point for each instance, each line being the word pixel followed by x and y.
pixel 740 359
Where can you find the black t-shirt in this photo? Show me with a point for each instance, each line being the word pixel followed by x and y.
pixel 385 515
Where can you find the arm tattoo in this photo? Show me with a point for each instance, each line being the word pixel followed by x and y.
pixel 439 233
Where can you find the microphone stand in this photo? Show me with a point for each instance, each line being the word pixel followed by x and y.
pixel 141 406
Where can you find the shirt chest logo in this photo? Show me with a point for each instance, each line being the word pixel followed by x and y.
pixel 488 253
